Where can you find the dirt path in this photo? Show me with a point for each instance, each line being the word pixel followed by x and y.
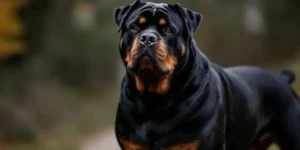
pixel 103 141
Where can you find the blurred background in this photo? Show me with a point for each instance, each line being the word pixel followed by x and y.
pixel 60 70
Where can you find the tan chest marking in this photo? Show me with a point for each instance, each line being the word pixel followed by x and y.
pixel 128 145
pixel 187 146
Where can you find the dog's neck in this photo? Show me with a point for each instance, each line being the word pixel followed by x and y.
pixel 183 87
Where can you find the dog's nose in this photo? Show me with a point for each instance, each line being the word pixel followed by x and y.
pixel 148 39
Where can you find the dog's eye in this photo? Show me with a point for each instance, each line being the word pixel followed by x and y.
pixel 134 28
pixel 167 30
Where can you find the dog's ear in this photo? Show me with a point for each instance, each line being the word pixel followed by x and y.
pixel 192 19
pixel 123 12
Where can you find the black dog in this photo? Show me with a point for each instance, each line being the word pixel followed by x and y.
pixel 174 98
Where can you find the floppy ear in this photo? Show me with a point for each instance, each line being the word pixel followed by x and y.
pixel 123 12
pixel 192 19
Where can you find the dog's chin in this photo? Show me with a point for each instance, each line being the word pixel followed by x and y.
pixel 147 69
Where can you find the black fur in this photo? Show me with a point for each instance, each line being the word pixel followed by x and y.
pixel 222 108
pixel 192 19
pixel 122 13
pixel 289 75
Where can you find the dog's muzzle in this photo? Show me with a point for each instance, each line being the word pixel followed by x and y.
pixel 146 62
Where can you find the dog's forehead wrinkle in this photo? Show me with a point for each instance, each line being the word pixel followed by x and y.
pixel 155 7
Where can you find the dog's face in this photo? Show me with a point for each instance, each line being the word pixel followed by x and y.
pixel 154 42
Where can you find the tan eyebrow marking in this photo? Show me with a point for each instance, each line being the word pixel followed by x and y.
pixel 162 21
pixel 142 20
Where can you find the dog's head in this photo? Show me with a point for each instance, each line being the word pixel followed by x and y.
pixel 154 41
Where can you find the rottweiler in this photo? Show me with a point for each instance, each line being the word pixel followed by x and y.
pixel 174 98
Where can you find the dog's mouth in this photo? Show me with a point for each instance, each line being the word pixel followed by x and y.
pixel 147 66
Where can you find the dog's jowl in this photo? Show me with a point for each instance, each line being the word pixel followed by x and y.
pixel 174 98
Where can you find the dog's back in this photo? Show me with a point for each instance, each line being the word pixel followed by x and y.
pixel 264 82
pixel 269 97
